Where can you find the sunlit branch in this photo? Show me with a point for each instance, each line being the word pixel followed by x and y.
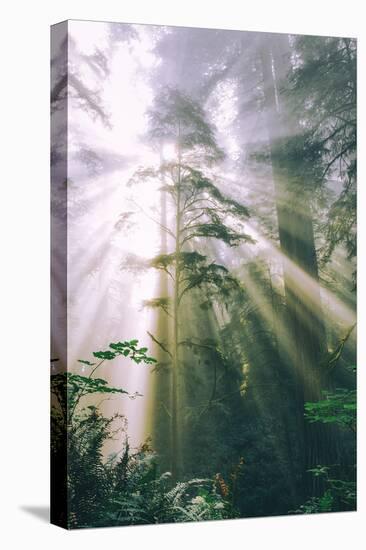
pixel 166 270
pixel 188 238
pixel 332 361
pixel 190 224
pixel 200 199
pixel 163 227
pixel 160 344
pixel 82 389
pixel 189 287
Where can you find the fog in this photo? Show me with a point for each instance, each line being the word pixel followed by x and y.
pixel 209 181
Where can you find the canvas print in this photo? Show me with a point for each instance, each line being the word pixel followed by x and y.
pixel 203 274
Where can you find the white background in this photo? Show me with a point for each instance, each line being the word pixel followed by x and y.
pixel 24 249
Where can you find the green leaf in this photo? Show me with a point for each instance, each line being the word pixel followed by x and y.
pixel 107 355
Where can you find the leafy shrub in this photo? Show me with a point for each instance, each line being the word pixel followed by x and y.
pixel 339 495
pixel 141 495
pixel 338 407
pixel 126 488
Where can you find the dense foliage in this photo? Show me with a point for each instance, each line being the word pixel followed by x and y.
pixel 127 487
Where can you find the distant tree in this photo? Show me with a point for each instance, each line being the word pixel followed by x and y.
pixel 295 169
pixel 323 88
pixel 201 211
pixel 70 84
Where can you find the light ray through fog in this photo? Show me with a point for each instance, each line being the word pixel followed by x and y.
pixel 341 316
pixel 99 247
pixel 304 284
pixel 104 199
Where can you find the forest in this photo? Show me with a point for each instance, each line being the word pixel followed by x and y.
pixel 203 353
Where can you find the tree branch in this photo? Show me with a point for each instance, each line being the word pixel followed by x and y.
pixel 160 344
pixel 163 227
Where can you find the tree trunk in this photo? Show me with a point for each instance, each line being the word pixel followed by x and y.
pixel 296 235
pixel 175 372
pixel 162 384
